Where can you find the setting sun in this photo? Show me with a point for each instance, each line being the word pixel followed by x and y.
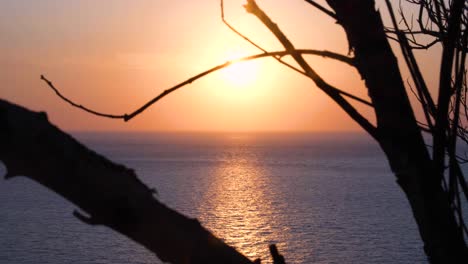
pixel 240 74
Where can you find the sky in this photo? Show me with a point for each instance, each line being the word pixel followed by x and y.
pixel 114 56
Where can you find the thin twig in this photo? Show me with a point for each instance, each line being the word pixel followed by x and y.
pixel 426 100
pixel 236 31
pixel 86 109
pixel 321 8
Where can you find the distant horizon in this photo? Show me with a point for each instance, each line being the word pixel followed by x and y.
pixel 223 131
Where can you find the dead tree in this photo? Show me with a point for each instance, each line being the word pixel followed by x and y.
pixel 434 194
pixel 436 204
pixel 431 178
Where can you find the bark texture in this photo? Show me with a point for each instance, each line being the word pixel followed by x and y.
pixel 109 193
pixel 398 133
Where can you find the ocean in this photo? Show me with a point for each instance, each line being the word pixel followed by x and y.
pixel 321 197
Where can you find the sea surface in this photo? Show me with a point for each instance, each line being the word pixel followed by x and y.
pixel 322 198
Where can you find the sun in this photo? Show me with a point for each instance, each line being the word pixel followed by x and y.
pixel 240 74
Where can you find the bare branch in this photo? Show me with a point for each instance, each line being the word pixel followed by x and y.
pixel 424 128
pixel 236 31
pixel 126 117
pixel 109 193
pixel 253 8
pixel 450 43
pixel 275 255
pixel 49 83
pixel 424 96
pixel 321 8
pixel 252 42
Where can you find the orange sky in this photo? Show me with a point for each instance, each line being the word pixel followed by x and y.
pixel 113 56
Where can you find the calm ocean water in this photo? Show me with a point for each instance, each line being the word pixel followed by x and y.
pixel 323 198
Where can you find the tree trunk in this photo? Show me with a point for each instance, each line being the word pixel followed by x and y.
pixel 398 133
pixel 110 193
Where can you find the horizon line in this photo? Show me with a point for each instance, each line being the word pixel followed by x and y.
pixel 222 131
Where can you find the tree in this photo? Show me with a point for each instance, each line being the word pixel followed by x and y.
pixel 431 178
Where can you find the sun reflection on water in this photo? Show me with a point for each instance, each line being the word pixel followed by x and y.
pixel 238 208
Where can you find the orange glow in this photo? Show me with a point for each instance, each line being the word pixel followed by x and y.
pixel 114 58
pixel 240 74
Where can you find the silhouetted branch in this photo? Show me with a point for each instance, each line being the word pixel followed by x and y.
pixel 253 43
pixel 126 117
pixel 432 21
pixel 331 91
pixel 424 127
pixel 449 45
pixel 276 256
pixel 86 109
pixel 414 44
pixel 424 97
pixel 109 193
pixel 321 8
pixel 236 31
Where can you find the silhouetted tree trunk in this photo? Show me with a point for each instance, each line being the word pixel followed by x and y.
pixel 397 130
pixel 398 133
